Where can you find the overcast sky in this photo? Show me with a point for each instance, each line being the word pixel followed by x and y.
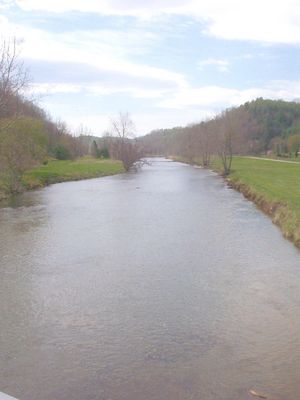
pixel 167 63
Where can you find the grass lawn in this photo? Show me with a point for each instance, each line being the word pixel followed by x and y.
pixel 61 171
pixel 275 187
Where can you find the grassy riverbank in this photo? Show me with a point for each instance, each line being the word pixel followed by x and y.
pixel 274 187
pixel 61 171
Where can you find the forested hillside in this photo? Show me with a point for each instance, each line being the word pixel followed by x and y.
pixel 273 122
pixel 256 127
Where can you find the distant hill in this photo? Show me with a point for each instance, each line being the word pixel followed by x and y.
pixel 259 125
pixel 273 119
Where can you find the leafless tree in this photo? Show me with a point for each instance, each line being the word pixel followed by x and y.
pixel 13 79
pixel 128 149
pixel 203 143
pixel 228 137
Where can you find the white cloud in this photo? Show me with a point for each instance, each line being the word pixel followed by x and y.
pixel 266 21
pixel 94 89
pixel 105 52
pixel 167 119
pixel 5 4
pixel 218 98
pixel 207 96
pixel 106 7
pixel 144 122
pixel 49 89
pixel 5 28
pixel 182 107
pixel 220 65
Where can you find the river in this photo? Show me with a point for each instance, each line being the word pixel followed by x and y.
pixel 158 285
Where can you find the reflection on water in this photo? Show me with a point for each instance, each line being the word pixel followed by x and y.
pixel 159 285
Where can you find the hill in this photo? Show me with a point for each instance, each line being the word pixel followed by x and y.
pixel 256 127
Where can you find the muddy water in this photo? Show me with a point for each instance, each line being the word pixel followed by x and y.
pixel 163 284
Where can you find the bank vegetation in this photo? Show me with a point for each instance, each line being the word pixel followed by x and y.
pixel 30 140
pixel 260 128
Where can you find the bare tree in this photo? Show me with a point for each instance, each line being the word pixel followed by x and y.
pixel 13 78
pixel 128 149
pixel 203 142
pixel 226 134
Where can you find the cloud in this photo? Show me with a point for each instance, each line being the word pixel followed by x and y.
pixel 218 98
pixel 182 107
pixel 5 27
pixel 5 4
pixel 177 107
pixel 206 96
pixel 97 61
pixel 144 122
pixel 50 88
pixel 105 7
pixel 265 21
pixel 220 65
pixel 88 75
pixel 94 89
pixel 167 119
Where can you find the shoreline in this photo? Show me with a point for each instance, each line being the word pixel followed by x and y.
pixel 279 212
pixel 64 171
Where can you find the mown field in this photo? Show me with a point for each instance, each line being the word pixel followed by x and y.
pixel 274 187
pixel 61 171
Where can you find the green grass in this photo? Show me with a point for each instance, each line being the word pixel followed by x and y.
pixel 275 187
pixel 61 171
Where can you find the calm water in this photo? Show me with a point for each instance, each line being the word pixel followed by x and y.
pixel 160 285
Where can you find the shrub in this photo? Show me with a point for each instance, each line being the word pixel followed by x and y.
pixel 61 153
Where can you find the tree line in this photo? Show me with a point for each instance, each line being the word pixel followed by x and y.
pixel 29 136
pixel 254 128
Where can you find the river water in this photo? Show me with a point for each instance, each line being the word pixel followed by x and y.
pixel 158 285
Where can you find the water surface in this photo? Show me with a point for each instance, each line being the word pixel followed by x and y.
pixel 163 284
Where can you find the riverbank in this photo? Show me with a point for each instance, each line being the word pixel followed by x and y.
pixel 56 171
pixel 273 186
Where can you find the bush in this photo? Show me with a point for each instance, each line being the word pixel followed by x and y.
pixel 61 153
pixel 22 145
pixel 104 152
